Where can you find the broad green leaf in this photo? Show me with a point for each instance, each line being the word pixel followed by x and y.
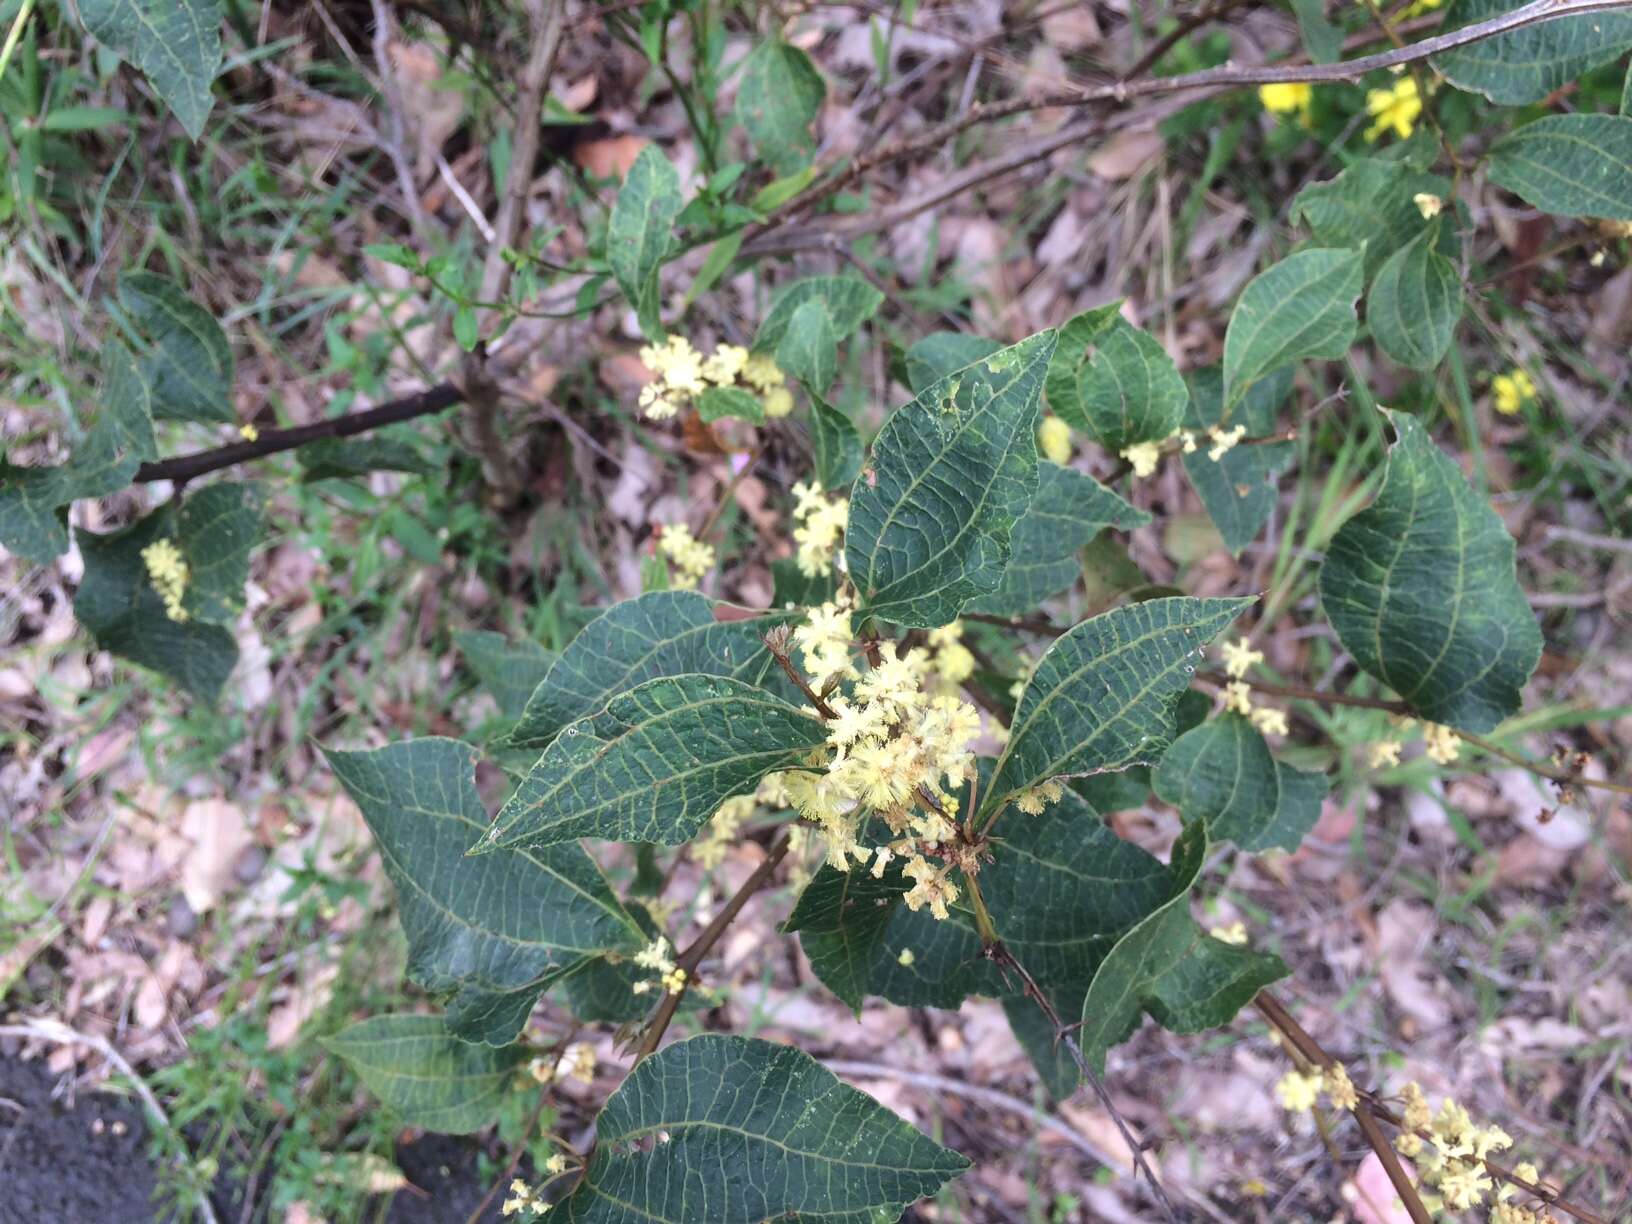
pixel 1321 38
pixel 1415 303
pixel 940 353
pixel 603 991
pixel 777 98
pixel 1104 695
pixel 1524 66
pixel 1168 966
pixel 792 588
pixel 339 458
pixel 427 1077
pixel 1068 510
pixel 175 43
pixel 849 302
pixel 841 918
pixel 809 348
pixel 509 670
pixel 1570 165
pixel 1127 391
pixel 1372 203
pixel 1626 94
pixel 640 234
pixel 663 633
pixel 1036 1035
pixel 33 523
pixel 1130 788
pixel 752 1131
pixel 656 765
pixel 951 474
pixel 1066 369
pixel 1238 490
pixel 214 530
pixel 485 925
pixel 720 257
pixel 717 402
pixel 188 364
pixel 1222 774
pixel 1422 591
pixel 1302 307
pixel 836 443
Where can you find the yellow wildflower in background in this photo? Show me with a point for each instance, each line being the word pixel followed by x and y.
pixel 950 659
pixel 1268 721
pixel 1395 109
pixel 577 1062
pixel 1511 390
pixel 248 432
pixel 1286 98
pixel 1238 698
pixel 725 364
pixel 821 523
pixel 1298 1092
pixel 167 569
pixel 690 557
pixel 1054 440
pixel 824 640
pixel 1383 753
pixel 1235 934
pixel 1239 656
pixel 1443 745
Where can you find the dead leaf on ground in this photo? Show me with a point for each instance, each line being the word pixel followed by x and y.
pixel 609 158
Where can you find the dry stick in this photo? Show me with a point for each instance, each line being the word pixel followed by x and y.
pixel 1299 693
pixel 704 943
pixel 273 441
pixel 1179 32
pixel 396 134
pixel 1311 1051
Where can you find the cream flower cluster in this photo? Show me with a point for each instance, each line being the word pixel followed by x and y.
pixel 167 569
pixel 1239 658
pixel 1441 742
pixel 689 556
pixel 656 957
pixel 681 373
pixel 821 523
pixel 1144 456
pixel 1450 1160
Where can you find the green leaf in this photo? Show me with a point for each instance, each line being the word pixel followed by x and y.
pixel 1104 695
pixel 952 472
pixel 482 926
pixel 793 589
pixel 1321 38
pixel 188 365
pixel 777 98
pixel 850 303
pixel 1072 354
pixel 720 257
pixel 32 520
pixel 640 234
pixel 603 991
pixel 175 43
pixel 663 633
pixel 841 918
pixel 509 670
pixel 656 765
pixel 1422 591
pixel 837 445
pixel 1525 65
pixel 1168 966
pixel 753 1131
pixel 1035 1033
pixel 1222 774
pixel 1127 391
pixel 809 348
pixel 1068 510
pixel 467 327
pixel 1371 204
pixel 214 530
pixel 341 458
pixel 1303 307
pixel 427 1077
pixel 717 402
pixel 1570 165
pixel 1415 303
pixel 1130 788
pixel 1238 490
pixel 84 119
pixel 940 353
pixel 394 253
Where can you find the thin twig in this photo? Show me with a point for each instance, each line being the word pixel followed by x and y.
pixel 777 643
pixel 1298 692
pixel 1561 776
pixel 395 137
pixel 1178 33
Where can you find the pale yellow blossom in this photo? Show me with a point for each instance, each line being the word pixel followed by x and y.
pixel 1240 657
pixel 1269 721
pixel 1383 753
pixel 1287 98
pixel 1143 456
pixel 1224 440
pixel 1428 204
pixel 1442 742
pixel 690 557
pixel 1510 391
pixel 1298 1092
pixel 169 573
pixel 1054 440
pixel 1235 934
pixel 1394 109
pixel 1238 697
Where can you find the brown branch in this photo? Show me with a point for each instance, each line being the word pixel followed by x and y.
pixel 1561 776
pixel 273 441
pixel 700 947
pixel 776 641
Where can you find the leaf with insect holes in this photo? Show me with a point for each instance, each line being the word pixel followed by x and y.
pixel 33 519
pixel 1223 775
pixel 1168 966
pixel 493 929
pixel 1415 302
pixel 952 473
pixel 188 362
pixel 640 234
pixel 1237 489
pixel 175 43
pixel 750 1131
pixel 940 353
pixel 1422 590
pixel 1104 695
pixel 1301 308
pixel 778 96
pixel 426 1076
pixel 1569 165
pixel 1121 387
pixel 1525 65
pixel 661 633
pixel 656 765
pixel 1067 511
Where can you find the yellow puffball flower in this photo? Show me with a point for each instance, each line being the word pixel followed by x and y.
pixel 1287 98
pixel 1395 109
pixel 1340 1089
pixel 1054 440
pixel 1443 746
pixel 1239 656
pixel 1383 753
pixel 1143 456
pixel 1428 204
pixel 778 402
pixel 690 557
pixel 1235 934
pixel 1298 1092
pixel 1224 441
pixel 1511 390
pixel 1238 697
pixel 1268 721
pixel 248 432
pixel 167 569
